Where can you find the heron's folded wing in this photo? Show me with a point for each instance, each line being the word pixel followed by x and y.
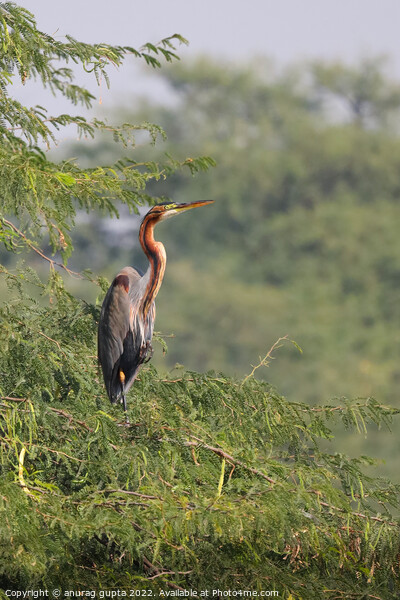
pixel 116 321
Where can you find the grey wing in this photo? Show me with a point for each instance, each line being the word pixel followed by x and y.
pixel 122 337
pixel 114 325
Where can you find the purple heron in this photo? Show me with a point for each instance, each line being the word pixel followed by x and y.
pixel 128 311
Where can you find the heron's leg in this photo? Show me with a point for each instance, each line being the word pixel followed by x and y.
pixel 122 380
pixel 125 408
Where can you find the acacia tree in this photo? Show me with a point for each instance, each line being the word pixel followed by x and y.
pixel 218 484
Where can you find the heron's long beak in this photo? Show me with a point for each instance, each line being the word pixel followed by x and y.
pixel 176 209
pixel 182 207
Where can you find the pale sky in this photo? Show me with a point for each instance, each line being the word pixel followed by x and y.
pixel 285 30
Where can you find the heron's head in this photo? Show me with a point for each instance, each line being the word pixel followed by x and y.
pixel 167 209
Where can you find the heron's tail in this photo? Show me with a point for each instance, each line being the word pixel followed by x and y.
pixel 121 384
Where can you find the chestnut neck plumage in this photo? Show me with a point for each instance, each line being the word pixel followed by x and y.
pixel 155 252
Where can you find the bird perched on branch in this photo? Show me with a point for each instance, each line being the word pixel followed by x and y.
pixel 128 312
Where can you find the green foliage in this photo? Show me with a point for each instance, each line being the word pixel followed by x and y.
pixel 215 482
pixel 218 482
pixel 49 192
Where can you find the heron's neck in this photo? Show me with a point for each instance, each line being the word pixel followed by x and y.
pixel 155 252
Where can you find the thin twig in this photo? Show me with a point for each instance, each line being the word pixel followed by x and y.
pixel 12 399
pixel 229 458
pixel 171 573
pixel 59 452
pixel 51 340
pixel 356 514
pixel 52 262
pixel 149 566
pixel 129 492
pixel 70 417
pixel 264 362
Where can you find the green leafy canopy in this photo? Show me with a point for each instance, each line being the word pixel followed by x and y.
pixel 32 185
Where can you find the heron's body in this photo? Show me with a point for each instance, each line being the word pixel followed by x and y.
pixel 128 312
pixel 124 334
